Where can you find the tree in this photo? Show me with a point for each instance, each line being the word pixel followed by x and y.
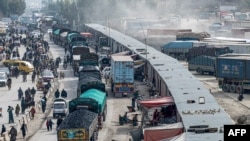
pixel 16 7
pixel 4 7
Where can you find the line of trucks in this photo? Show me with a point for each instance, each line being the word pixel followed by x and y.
pixel 225 58
pixel 85 114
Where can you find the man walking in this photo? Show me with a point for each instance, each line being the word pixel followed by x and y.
pixel 13 133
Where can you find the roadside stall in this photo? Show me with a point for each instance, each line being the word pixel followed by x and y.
pixel 158 111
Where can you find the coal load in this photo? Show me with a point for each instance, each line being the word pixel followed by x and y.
pixel 78 119
pixel 208 50
pixel 192 36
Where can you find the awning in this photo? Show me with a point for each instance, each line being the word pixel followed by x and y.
pixel 166 131
pixel 121 53
pixel 139 62
pixel 138 66
pixel 86 34
pixel 157 102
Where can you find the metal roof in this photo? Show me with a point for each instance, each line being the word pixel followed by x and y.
pixel 182 85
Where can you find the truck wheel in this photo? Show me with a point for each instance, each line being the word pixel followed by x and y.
pixel 104 117
pixel 199 71
pixel 232 88
pixel 225 88
pixel 239 89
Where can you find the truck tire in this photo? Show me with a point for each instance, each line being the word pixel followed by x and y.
pixel 199 71
pixel 239 89
pixel 104 117
pixel 225 88
pixel 232 88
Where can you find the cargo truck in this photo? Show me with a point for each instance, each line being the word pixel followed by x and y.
pixel 178 49
pixel 122 76
pixel 80 125
pixel 232 73
pixel 202 64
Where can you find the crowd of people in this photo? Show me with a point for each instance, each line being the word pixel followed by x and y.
pixel 35 48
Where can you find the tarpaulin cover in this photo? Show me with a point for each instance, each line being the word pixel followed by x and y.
pixel 56 32
pixel 96 95
pixel 157 102
pixel 158 133
pixel 64 34
pixel 180 137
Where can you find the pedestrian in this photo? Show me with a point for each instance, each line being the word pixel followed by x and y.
pixel 13 133
pixel 43 102
pixel 33 92
pixel 59 121
pixel 24 129
pixel 23 105
pixel 133 102
pixel 106 77
pixel 3 130
pixel 17 110
pixel 64 94
pixel 20 93
pixel 49 124
pixel 11 118
pixel 57 93
pixel 32 112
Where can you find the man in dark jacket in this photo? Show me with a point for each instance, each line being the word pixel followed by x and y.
pixel 57 93
pixel 64 94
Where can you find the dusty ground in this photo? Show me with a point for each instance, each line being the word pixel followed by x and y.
pixel 228 101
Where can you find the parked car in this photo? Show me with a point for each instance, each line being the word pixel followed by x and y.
pixel 47 75
pixel 3 79
pixel 5 69
pixel 106 71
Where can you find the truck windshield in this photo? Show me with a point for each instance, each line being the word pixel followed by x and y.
pixel 59 106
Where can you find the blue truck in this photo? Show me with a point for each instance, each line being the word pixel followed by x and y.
pixel 178 49
pixel 122 75
pixel 202 64
pixel 232 73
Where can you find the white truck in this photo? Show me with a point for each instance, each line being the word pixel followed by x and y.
pixel 122 75
pixel 60 108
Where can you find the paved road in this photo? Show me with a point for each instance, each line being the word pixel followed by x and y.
pixel 69 83
pixel 116 106
pixel 10 97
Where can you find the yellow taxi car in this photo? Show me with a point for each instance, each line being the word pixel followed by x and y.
pixel 23 66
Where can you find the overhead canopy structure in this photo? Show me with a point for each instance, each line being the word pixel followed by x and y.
pixel 86 34
pixel 157 102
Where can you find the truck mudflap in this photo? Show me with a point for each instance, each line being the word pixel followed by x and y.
pixel 120 90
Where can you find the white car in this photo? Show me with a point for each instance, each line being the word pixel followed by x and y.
pixel 106 71
pixel 3 79
pixel 49 31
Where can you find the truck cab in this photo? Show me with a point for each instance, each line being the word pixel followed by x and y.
pixel 60 108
